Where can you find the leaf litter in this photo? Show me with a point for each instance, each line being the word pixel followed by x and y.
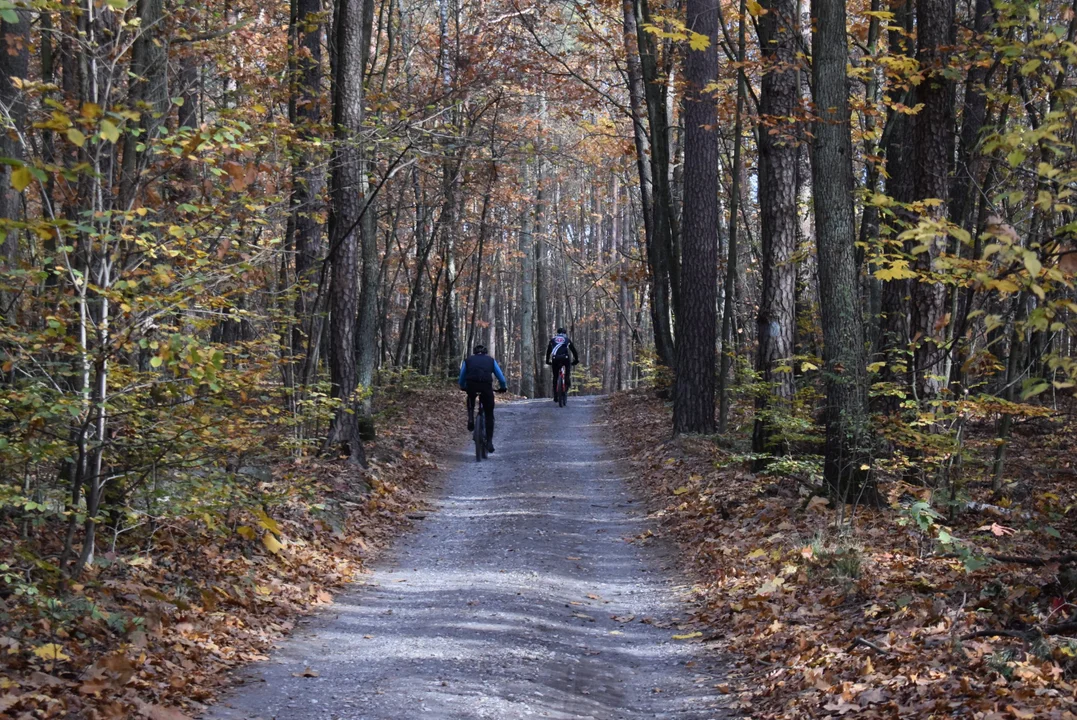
pixel 160 625
pixel 875 619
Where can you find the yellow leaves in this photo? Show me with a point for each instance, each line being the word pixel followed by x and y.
pixel 899 270
pixel 267 522
pixel 51 652
pixel 679 33
pixel 76 137
pixel 246 531
pixel 757 553
pixel 272 544
pixel 109 131
pixel 681 490
pixel 698 41
pixel 688 636
pixel 771 586
pixel 755 9
pixel 21 178
pixel 1032 263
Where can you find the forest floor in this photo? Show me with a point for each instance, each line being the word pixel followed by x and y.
pixel 152 629
pixel 877 618
pixel 521 594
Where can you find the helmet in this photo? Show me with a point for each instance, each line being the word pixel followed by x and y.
pixel 561 331
pixel 479 349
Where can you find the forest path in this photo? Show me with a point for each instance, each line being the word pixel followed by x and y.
pixel 501 604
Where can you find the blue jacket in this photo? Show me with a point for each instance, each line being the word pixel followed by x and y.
pixel 478 368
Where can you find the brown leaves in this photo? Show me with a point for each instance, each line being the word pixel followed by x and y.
pixel 867 624
pixel 240 175
pixel 158 712
pixel 208 604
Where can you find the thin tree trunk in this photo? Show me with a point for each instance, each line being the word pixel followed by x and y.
pixel 660 241
pixel 728 349
pixel 527 291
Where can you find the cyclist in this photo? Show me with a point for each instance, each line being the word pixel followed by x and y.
pixel 557 352
pixel 475 379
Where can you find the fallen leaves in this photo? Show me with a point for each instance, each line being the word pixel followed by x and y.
pixel 688 636
pixel 52 652
pixel 160 628
pixel 867 624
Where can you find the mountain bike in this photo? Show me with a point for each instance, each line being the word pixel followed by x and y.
pixel 480 430
pixel 560 392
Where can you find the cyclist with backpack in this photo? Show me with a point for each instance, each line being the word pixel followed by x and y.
pixel 557 352
pixel 476 379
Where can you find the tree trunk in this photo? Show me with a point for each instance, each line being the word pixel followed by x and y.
pixel 693 402
pixel 527 291
pixel 542 321
pixel 344 217
pixel 933 136
pixel 728 306
pixel 366 341
pixel 308 175
pixel 778 151
pixel 14 63
pixel 846 449
pixel 660 241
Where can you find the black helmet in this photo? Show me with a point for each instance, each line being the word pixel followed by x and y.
pixel 561 331
pixel 479 349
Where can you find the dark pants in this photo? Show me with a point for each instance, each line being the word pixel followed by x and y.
pixel 486 391
pixel 557 365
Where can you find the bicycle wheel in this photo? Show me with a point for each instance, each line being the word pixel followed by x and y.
pixel 561 394
pixel 480 436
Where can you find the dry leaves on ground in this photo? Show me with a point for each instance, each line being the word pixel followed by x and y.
pixel 156 627
pixel 870 621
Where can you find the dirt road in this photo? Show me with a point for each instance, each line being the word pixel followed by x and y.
pixel 518 597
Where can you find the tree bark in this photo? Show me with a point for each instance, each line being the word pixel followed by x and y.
pixel 660 242
pixel 527 291
pixel 14 63
pixel 693 401
pixel 729 295
pixel 366 340
pixel 846 449
pixel 933 135
pixel 778 154
pixel 344 217
pixel 308 175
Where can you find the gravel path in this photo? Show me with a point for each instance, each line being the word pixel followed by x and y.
pixel 517 598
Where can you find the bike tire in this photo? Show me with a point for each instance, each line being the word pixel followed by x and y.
pixel 480 438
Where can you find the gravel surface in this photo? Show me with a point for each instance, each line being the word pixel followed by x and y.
pixel 518 597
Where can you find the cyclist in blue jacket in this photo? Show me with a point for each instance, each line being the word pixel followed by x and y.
pixel 475 379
